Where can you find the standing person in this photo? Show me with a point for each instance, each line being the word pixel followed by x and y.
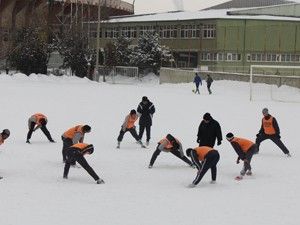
pixel 76 153
pixel 270 130
pixel 204 158
pixel 209 80
pixel 3 136
pixel 73 136
pixel 128 125
pixel 245 150
pixel 145 110
pixel 35 122
pixel 172 145
pixel 209 130
pixel 197 81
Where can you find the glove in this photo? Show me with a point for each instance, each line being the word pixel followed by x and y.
pixel 198 140
pixel 219 142
pixel 278 136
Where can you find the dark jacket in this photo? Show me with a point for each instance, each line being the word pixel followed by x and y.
pixel 275 125
pixel 209 80
pixel 146 112
pixel 197 80
pixel 208 133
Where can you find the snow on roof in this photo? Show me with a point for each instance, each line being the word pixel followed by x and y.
pixel 193 15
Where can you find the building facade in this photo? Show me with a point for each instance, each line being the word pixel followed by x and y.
pixel 222 39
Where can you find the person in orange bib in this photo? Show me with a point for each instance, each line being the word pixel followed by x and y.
pixel 128 125
pixel 204 158
pixel 4 135
pixel 245 150
pixel 73 136
pixel 76 153
pixel 172 145
pixel 35 122
pixel 270 130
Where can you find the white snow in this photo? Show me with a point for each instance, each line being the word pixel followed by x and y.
pixel 34 193
pixel 193 15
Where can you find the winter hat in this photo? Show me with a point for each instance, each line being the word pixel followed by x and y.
pixel 265 111
pixel 132 112
pixel 207 116
pixel 229 136
pixel 145 99
pixel 86 128
pixel 6 132
pixel 188 152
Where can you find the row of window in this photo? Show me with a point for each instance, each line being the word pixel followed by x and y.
pixel 253 57
pixel 217 56
pixel 165 32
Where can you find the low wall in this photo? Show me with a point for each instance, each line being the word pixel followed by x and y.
pixel 171 75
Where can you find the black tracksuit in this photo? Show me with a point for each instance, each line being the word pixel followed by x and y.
pixel 209 80
pixel 67 142
pixel 208 133
pixel 132 132
pixel 146 112
pixel 174 151
pixel 73 155
pixel 43 128
pixel 261 136
pixel 246 157
pixel 210 162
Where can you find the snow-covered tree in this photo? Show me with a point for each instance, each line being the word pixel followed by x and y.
pixel 31 53
pixel 110 55
pixel 149 53
pixel 123 50
pixel 74 50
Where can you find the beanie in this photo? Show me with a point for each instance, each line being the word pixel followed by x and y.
pixel 144 99
pixel 229 136
pixel 207 116
pixel 265 111
pixel 132 112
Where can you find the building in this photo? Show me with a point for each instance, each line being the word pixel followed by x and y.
pixel 57 15
pixel 219 39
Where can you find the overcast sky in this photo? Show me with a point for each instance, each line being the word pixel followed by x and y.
pixel 148 6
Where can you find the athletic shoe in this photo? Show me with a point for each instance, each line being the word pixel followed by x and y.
pixel 28 142
pixel 118 146
pixel 100 181
pixel 191 185
pixel 65 177
pixel 249 173
pixel 150 166
pixel 213 182
pixel 288 155
pixel 147 143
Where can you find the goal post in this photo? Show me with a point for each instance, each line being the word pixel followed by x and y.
pixel 270 78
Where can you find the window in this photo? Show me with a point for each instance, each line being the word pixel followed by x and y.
pixel 129 32
pixel 190 31
pixel 208 31
pixel 146 29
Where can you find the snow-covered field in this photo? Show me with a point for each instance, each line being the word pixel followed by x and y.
pixel 34 193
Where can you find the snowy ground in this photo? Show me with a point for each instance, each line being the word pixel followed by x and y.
pixel 34 193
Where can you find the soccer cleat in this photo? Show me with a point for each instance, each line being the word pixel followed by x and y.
pixel 288 155
pixel 213 182
pixel 52 141
pixel 28 142
pixel 150 166
pixel 65 177
pixel 238 178
pixel 191 185
pixel 141 143
pixel 100 181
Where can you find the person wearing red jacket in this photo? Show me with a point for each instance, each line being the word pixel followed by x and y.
pixel 172 145
pixel 129 125
pixel 76 153
pixel 270 130
pixel 205 158
pixel 245 150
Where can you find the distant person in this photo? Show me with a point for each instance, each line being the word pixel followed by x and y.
pixel 76 153
pixel 7 70
pixel 172 145
pixel 209 131
pixel 35 122
pixel 245 150
pixel 73 136
pixel 145 111
pixel 209 81
pixel 270 130
pixel 4 135
pixel 204 158
pixel 197 81
pixel 129 125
